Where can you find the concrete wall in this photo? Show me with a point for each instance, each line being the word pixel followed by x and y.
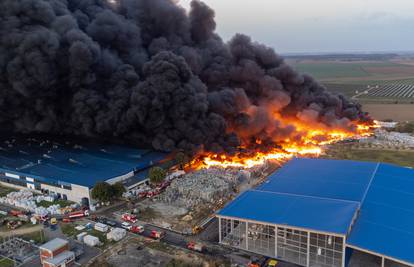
pixel 76 194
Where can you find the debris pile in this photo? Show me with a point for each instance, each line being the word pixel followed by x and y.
pixel 201 187
pixel 385 138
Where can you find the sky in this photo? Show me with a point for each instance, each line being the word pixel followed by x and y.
pixel 319 26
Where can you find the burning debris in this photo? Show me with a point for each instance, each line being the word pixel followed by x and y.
pixel 146 72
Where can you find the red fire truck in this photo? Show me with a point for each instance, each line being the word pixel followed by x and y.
pixel 157 234
pixel 78 214
pixel 127 217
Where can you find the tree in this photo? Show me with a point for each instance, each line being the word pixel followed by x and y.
pixel 118 189
pixel 181 159
pixel 157 175
pixel 102 191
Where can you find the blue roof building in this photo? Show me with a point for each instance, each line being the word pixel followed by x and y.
pixel 314 212
pixel 71 170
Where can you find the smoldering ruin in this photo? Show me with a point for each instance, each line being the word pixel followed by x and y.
pixel 149 72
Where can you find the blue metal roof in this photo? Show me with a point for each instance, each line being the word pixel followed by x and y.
pixel 347 180
pixel 82 165
pixel 386 219
pixel 327 215
pixel 324 195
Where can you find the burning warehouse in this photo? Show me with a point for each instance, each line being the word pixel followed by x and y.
pixel 317 212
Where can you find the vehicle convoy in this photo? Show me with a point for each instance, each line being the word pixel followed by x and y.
pixel 195 246
pixel 137 229
pixel 127 217
pixel 157 234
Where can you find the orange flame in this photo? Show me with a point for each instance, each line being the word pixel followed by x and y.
pixel 308 140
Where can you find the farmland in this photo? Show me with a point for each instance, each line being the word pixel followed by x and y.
pixel 374 79
pixel 383 83
pixel 355 72
pixel 391 90
pixel 397 112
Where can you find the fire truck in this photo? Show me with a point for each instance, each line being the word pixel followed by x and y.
pixel 78 214
pixel 157 234
pixel 195 247
pixel 137 229
pixel 127 217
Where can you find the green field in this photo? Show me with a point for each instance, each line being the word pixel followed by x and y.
pixel 402 158
pixel 355 71
pixel 367 81
pixel 324 70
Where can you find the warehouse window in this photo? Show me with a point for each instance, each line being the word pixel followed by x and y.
pixel 292 245
pixel 261 239
pixel 67 187
pixel 326 250
pixel 225 228
pixel 233 233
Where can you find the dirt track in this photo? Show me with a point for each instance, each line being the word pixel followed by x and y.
pixel 21 231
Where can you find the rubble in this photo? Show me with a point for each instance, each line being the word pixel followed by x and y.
pixel 390 139
pixel 201 187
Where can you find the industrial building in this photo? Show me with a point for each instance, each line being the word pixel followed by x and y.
pixel 318 212
pixel 70 170
pixel 56 253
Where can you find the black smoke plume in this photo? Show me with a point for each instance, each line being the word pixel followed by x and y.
pixel 145 71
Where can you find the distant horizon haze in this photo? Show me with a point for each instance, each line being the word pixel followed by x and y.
pixel 319 26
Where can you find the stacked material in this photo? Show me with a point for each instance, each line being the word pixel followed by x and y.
pixel 26 200
pixel 116 234
pixel 201 187
pixel 17 198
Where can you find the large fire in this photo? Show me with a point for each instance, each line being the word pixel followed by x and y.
pixel 308 140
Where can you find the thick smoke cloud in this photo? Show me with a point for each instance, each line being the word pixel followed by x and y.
pixel 145 71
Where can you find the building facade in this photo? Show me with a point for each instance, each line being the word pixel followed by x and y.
pixel 70 171
pixel 317 213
